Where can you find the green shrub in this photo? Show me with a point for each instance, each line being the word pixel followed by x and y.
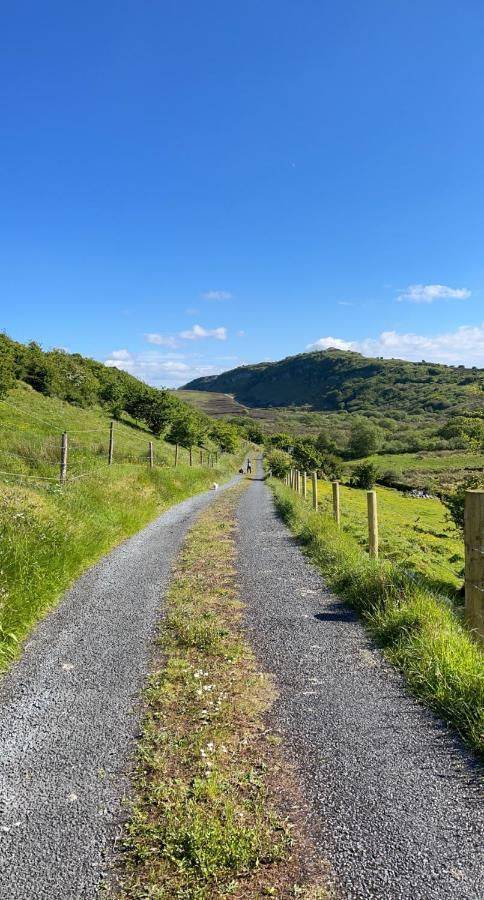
pixel 364 476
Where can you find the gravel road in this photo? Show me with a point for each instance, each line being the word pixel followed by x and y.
pixel 67 720
pixel 396 800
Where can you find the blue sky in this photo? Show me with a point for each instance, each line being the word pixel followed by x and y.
pixel 186 186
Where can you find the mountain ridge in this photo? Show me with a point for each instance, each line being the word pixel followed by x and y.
pixel 331 380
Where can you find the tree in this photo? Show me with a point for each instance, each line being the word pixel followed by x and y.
pixel 255 433
pixel 365 438
pixel 186 430
pixel 278 462
pixel 324 441
pixel 281 440
pixel 306 455
pixel 331 466
pixel 225 436
pixel 7 365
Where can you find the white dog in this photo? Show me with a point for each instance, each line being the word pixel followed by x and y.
pixel 215 486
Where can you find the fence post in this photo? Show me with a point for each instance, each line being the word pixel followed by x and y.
pixel 336 503
pixel 372 524
pixel 176 454
pixel 191 461
pixel 201 457
pixel 314 478
pixel 151 454
pixel 305 485
pixel 474 561
pixel 63 458
pixel 111 444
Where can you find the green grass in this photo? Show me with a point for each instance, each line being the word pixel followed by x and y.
pixel 430 470
pixel 49 535
pixel 209 779
pixel 418 629
pixel 414 532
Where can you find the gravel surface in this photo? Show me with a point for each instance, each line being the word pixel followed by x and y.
pixel 68 717
pixel 396 799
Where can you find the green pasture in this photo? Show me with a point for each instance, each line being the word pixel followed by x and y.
pixel 414 533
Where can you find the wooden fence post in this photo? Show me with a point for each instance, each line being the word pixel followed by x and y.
pixel 150 453
pixel 176 454
pixel 305 485
pixel 111 444
pixel 474 561
pixel 63 458
pixel 190 452
pixel 372 524
pixel 336 503
pixel 201 457
pixel 314 478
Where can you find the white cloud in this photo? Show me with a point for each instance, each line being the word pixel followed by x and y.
pixel 464 346
pixel 120 355
pixel 325 343
pixel 217 295
pixel 427 293
pixel 241 334
pixel 159 369
pixel 197 333
pixel 163 340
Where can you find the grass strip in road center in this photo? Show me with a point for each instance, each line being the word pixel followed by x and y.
pixel 214 800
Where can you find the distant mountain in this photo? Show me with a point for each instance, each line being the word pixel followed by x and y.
pixel 343 380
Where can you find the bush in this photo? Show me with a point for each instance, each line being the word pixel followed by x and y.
pixel 364 476
pixel 390 478
pixel 331 467
pixel 454 501
pixel 278 462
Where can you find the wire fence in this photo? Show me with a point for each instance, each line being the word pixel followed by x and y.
pixel 61 456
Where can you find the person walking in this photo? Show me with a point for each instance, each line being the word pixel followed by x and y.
pixel 249 467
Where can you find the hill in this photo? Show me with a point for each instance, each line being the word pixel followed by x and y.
pixel 212 404
pixel 332 380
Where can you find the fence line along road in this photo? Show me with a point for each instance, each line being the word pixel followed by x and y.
pixel 64 450
pixel 473 540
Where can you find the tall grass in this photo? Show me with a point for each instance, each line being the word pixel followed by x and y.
pixel 418 629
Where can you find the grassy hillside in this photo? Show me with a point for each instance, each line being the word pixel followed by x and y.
pixel 342 380
pixel 50 534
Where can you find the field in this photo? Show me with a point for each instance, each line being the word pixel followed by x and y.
pixel 431 471
pixel 414 533
pixel 50 534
